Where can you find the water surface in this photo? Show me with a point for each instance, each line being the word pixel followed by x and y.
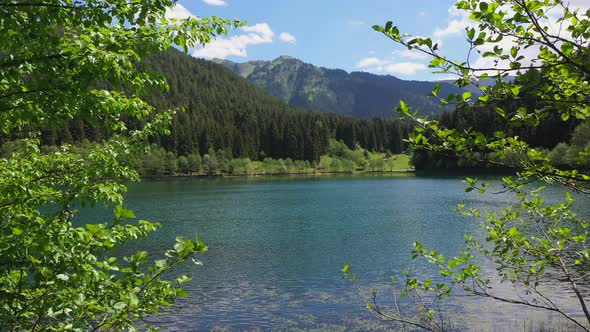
pixel 276 246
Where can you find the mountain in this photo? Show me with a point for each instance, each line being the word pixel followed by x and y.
pixel 356 94
pixel 225 111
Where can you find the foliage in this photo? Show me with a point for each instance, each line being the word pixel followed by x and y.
pixel 531 243
pixel 65 60
pixel 157 162
pixel 486 120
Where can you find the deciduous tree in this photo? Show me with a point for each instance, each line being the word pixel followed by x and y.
pixel 62 60
pixel 530 243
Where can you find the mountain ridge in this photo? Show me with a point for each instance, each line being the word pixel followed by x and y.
pixel 358 94
pixel 226 111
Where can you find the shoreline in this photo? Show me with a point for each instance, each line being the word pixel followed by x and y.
pixel 314 174
pixel 409 171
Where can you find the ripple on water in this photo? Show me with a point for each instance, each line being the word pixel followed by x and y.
pixel 276 249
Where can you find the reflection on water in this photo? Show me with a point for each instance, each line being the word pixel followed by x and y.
pixel 276 246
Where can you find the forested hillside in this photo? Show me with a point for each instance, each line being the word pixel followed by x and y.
pixel 224 111
pixel 357 94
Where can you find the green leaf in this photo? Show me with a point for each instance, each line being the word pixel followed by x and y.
pixel 160 263
pixel 484 98
pixel 120 305
pixel 514 51
pixel 565 116
pixel 121 212
pixel 436 90
pixel 404 106
pixel 513 232
pixel 133 299
pixel 452 263
pixel 63 276
pixel 515 90
pixel 93 228
pixel 483 6
pixel 567 48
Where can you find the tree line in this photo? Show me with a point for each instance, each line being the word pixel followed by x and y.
pixel 158 162
pixel 339 158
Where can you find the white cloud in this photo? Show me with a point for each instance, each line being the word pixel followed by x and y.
pixel 453 27
pixel 404 68
pixel 287 37
pixel 446 78
pixel 374 64
pixel 215 2
pixel 179 12
pixel 262 29
pixel 370 62
pixel 457 22
pixel 415 55
pixel 583 5
pixel 222 48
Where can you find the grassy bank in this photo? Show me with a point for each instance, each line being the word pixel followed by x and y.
pixel 327 166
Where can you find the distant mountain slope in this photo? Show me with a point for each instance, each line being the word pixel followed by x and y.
pixel 356 94
pixel 225 111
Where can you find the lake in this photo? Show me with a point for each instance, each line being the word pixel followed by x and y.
pixel 276 247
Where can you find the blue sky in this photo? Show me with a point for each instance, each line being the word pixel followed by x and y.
pixel 334 33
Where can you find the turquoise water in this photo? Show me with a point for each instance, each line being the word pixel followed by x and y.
pixel 276 245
